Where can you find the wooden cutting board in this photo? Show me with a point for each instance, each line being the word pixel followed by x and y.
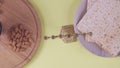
pixel 15 12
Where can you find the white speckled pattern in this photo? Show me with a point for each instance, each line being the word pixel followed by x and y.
pixel 103 20
pixel 90 3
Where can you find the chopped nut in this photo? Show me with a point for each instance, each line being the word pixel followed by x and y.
pixel 31 40
pixel 20 38
pixel 18 45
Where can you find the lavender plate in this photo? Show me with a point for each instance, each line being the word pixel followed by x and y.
pixel 92 47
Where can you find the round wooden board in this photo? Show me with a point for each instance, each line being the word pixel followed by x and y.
pixel 18 12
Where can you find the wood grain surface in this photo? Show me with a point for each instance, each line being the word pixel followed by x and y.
pixel 14 12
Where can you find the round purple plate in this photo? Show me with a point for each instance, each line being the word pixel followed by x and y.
pixel 92 47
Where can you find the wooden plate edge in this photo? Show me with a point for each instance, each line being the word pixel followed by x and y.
pixel 39 35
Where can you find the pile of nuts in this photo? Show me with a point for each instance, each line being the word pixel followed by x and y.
pixel 19 38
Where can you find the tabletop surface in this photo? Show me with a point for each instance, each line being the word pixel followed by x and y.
pixel 55 53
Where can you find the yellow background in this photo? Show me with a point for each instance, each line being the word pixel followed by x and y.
pixel 56 54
